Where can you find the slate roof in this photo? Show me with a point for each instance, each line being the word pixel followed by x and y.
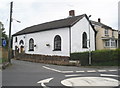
pixel 67 22
pixel 100 24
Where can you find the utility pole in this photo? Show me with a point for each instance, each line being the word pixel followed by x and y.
pixel 118 32
pixel 90 60
pixel 9 47
pixel 119 39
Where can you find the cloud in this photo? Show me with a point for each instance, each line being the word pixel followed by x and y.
pixel 31 12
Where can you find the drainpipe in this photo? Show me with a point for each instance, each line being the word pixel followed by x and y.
pixel 70 40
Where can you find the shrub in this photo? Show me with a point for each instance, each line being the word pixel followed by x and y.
pixel 99 57
pixel 83 57
pixel 4 55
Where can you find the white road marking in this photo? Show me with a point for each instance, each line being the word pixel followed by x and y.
pixel 44 81
pixel 112 70
pixel 91 71
pixel 80 71
pixel 67 71
pixel 75 71
pixel 102 70
pixel 51 69
pixel 89 81
pixel 109 75
pixel 58 70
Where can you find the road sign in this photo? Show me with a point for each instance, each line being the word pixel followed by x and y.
pixel 4 42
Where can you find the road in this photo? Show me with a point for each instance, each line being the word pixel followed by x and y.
pixel 23 73
pixel 0 78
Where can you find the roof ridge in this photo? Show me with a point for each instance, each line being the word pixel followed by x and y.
pixel 100 24
pixel 55 24
pixel 77 19
pixel 57 20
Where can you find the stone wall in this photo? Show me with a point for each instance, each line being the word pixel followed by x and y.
pixel 58 60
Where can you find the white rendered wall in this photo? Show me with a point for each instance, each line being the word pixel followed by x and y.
pixel 47 37
pixel 19 38
pixel 76 36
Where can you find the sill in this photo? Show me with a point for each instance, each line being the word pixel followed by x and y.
pixel 106 35
pixel 85 47
pixel 30 50
pixel 57 50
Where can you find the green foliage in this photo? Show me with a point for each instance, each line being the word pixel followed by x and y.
pixel 3 34
pixel 83 57
pixel 99 57
pixel 4 57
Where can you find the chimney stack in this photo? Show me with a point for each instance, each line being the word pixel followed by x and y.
pixel 72 13
pixel 99 20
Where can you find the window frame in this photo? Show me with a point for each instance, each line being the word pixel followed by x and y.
pixel 16 39
pixel 107 43
pixel 21 42
pixel 84 40
pixel 31 44
pixel 110 43
pixel 113 43
pixel 106 32
pixel 57 43
pixel 112 33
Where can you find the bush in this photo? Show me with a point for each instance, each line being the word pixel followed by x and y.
pixel 4 55
pixel 99 57
pixel 83 57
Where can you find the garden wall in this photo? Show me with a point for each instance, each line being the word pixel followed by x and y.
pixel 58 60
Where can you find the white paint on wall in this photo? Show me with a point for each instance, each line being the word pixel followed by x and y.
pixel 19 38
pixel 47 37
pixel 76 36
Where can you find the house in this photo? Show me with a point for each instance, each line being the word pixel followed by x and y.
pixel 56 38
pixel 106 37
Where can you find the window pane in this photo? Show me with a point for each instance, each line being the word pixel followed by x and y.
pixel 57 42
pixel 31 44
pixel 107 43
pixel 84 41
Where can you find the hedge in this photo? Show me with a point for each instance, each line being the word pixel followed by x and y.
pixel 99 57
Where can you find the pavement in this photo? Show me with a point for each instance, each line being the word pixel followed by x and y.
pixel 22 73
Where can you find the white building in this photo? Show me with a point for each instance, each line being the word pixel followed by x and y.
pixel 60 37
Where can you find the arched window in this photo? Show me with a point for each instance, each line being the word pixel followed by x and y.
pixel 21 42
pixel 84 40
pixel 15 39
pixel 31 45
pixel 57 42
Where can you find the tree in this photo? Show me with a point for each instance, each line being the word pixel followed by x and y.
pixel 3 34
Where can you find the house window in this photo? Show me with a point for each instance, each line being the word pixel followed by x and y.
pixel 112 33
pixel 57 43
pixel 107 43
pixel 21 42
pixel 31 45
pixel 116 43
pixel 84 40
pixel 112 43
pixel 15 39
pixel 106 32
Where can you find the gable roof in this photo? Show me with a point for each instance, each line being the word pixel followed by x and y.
pixel 67 22
pixel 101 24
pixel 62 23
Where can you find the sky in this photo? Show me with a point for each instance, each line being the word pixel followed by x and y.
pixel 33 12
